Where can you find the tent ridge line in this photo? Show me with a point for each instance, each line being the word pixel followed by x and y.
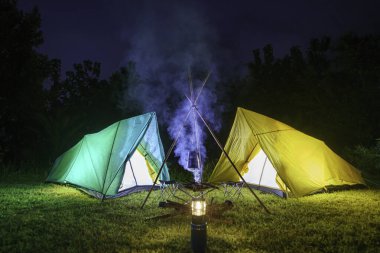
pixel 254 134
pixel 274 131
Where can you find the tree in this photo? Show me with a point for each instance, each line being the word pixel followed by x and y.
pixel 22 73
pixel 83 103
pixel 121 81
pixel 330 91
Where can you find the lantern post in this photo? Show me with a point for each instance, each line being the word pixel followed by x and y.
pixel 198 225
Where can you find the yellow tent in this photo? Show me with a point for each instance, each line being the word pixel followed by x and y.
pixel 273 156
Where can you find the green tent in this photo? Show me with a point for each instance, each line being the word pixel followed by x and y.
pixel 272 156
pixel 122 158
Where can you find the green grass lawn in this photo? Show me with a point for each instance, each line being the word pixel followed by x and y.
pixel 36 217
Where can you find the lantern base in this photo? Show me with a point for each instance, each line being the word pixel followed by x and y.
pixel 199 237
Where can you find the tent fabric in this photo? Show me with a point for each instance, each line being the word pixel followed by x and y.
pixel 98 162
pixel 303 164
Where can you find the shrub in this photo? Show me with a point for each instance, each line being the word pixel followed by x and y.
pixel 367 159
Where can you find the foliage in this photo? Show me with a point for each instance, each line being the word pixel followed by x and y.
pixel 122 81
pixel 22 72
pixel 41 113
pixel 179 174
pixel 24 174
pixel 208 168
pixel 367 160
pixel 82 100
pixel 330 91
pixel 52 218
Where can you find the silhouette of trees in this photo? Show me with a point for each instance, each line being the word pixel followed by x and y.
pixel 22 72
pixel 41 113
pixel 331 91
pixel 83 103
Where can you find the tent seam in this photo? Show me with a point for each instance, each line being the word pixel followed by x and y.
pixel 93 166
pixel 72 165
pixel 109 159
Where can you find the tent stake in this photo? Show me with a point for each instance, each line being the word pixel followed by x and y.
pixel 229 159
pixel 166 158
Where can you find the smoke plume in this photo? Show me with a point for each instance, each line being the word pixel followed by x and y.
pixel 169 42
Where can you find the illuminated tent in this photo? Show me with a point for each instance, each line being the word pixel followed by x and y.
pixel 122 158
pixel 275 157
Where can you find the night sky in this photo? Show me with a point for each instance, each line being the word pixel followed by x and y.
pixel 108 31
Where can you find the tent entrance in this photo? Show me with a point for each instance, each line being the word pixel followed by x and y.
pixel 262 175
pixel 136 172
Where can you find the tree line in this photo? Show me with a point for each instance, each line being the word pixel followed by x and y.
pixel 330 91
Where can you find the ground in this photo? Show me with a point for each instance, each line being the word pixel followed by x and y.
pixel 38 217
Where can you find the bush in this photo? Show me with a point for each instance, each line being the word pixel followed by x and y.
pixel 208 169
pixel 23 173
pixel 367 159
pixel 179 174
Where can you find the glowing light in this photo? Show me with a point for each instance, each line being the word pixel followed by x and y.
pixel 198 207
pixel 198 225
pixel 136 172
pixel 261 171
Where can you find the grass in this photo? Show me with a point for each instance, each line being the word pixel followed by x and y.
pixel 37 217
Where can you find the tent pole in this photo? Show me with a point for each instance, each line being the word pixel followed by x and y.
pixel 203 85
pixel 262 171
pixel 229 159
pixel 133 173
pixel 166 158
pixel 199 160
